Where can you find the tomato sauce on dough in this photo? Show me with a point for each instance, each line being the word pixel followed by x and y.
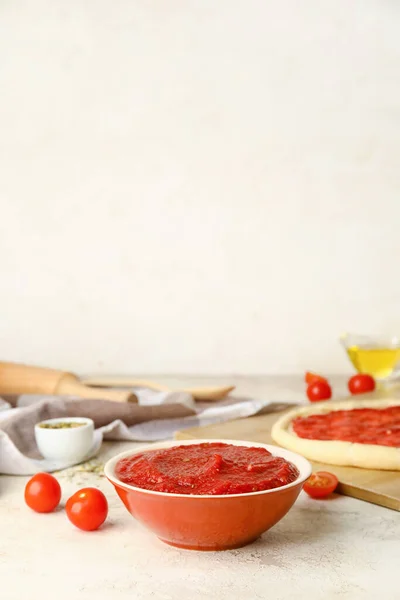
pixel 380 426
pixel 209 468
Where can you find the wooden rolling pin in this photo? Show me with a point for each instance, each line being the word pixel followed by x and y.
pixel 23 379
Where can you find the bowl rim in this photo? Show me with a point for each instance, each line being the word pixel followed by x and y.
pixel 349 338
pixel 302 464
pixel 87 423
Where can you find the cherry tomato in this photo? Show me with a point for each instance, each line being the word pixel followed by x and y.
pixel 319 390
pixel 311 377
pixel 362 383
pixel 42 493
pixel 87 509
pixel 321 484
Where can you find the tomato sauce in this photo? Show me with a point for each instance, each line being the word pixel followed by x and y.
pixel 379 426
pixel 208 468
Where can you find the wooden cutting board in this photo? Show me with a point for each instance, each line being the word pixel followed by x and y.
pixel 378 487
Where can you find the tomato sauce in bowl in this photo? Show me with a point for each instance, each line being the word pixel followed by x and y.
pixel 212 468
pixel 200 494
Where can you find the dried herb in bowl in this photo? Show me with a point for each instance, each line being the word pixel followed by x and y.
pixel 61 425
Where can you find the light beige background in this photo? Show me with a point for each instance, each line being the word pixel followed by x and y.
pixel 197 186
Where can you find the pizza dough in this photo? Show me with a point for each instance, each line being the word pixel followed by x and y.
pixel 367 456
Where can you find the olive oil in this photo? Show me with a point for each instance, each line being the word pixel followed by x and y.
pixel 379 362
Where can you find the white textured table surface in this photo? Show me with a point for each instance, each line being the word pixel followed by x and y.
pixel 339 548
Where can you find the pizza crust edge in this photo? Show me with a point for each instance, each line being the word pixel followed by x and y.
pixel 349 454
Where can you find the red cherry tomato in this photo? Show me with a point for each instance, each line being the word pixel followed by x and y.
pixel 319 390
pixel 42 493
pixel 361 384
pixel 87 509
pixel 311 377
pixel 320 484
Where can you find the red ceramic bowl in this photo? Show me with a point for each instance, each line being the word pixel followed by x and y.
pixel 209 522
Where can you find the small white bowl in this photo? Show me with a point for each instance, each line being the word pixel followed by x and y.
pixel 72 443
